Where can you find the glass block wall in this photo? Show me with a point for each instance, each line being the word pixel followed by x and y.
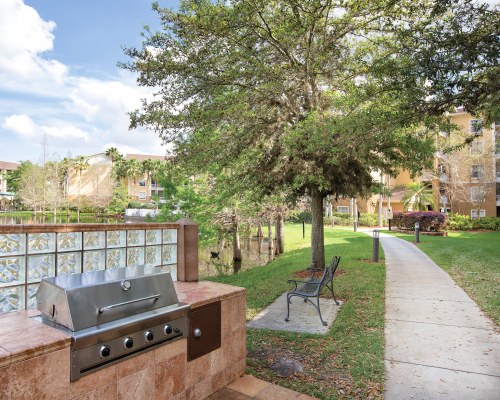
pixel 27 257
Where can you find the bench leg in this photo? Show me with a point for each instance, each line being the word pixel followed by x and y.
pixel 319 312
pixel 288 301
pixel 330 286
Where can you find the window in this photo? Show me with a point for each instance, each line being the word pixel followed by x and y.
pixel 142 182
pixel 476 126
pixel 477 147
pixel 475 214
pixel 476 194
pixel 343 209
pixel 477 171
pixel 142 195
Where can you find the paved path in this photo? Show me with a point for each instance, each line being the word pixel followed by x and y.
pixel 438 343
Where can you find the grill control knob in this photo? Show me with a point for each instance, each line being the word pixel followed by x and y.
pixel 104 351
pixel 128 343
pixel 167 329
pixel 148 336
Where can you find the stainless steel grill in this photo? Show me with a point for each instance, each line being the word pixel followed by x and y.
pixel 113 314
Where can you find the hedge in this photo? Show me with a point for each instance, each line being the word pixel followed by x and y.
pixel 430 221
pixel 460 222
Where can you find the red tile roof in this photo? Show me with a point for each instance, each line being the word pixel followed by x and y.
pixel 8 165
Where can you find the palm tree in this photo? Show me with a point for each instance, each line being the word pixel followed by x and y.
pixel 134 169
pixel 115 156
pixel 418 197
pixel 147 167
pixel 80 164
pixel 156 167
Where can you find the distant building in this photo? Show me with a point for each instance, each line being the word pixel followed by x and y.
pixel 465 182
pixel 96 183
pixel 6 198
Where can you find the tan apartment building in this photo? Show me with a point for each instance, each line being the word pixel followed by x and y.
pixel 96 182
pixel 6 198
pixel 466 181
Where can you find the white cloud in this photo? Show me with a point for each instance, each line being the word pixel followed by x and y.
pixel 52 104
pixel 24 37
pixel 21 124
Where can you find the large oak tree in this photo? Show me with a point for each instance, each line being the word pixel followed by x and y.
pixel 288 95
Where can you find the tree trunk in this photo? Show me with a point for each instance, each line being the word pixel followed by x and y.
pixel 317 230
pixel 236 239
pixel 260 234
pixel 270 241
pixel 280 233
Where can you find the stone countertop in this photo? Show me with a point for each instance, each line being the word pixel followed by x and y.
pixel 22 337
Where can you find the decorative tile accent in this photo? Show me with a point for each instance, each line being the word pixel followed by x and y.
pixel 40 266
pixel 153 255
pixel 12 244
pixel 69 263
pixel 169 254
pixel 116 239
pixel 94 240
pixel 41 242
pixel 135 256
pixel 169 236
pixel 69 241
pixel 135 238
pixel 11 299
pixel 115 258
pixel 94 260
pixel 153 236
pixel 12 271
pixel 32 289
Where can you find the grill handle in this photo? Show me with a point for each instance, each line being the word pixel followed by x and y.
pixel 107 308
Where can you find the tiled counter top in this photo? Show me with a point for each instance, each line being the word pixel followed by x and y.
pixel 22 338
pixel 35 358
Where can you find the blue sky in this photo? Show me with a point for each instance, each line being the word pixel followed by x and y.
pixel 59 79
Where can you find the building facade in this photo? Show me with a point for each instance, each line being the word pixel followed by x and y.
pixel 465 181
pixel 96 182
pixel 6 198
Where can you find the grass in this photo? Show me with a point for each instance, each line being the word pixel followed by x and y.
pixel 472 259
pixel 348 361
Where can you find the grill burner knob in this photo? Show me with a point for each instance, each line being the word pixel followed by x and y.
pixel 167 329
pixel 104 351
pixel 148 336
pixel 128 343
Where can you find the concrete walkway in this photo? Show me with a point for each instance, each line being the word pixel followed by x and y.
pixel 438 343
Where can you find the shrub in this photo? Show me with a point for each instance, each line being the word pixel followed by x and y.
pixel 134 204
pixel 430 221
pixel 458 222
pixel 368 220
pixel 489 223
pixel 342 219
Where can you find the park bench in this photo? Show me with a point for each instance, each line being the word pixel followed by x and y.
pixel 311 288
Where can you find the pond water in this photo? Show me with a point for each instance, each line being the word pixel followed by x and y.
pixel 254 252
pixel 60 219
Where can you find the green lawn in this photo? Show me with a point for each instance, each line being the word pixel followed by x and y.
pixel 473 261
pixel 348 361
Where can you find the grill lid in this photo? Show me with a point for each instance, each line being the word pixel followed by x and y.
pixel 80 301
